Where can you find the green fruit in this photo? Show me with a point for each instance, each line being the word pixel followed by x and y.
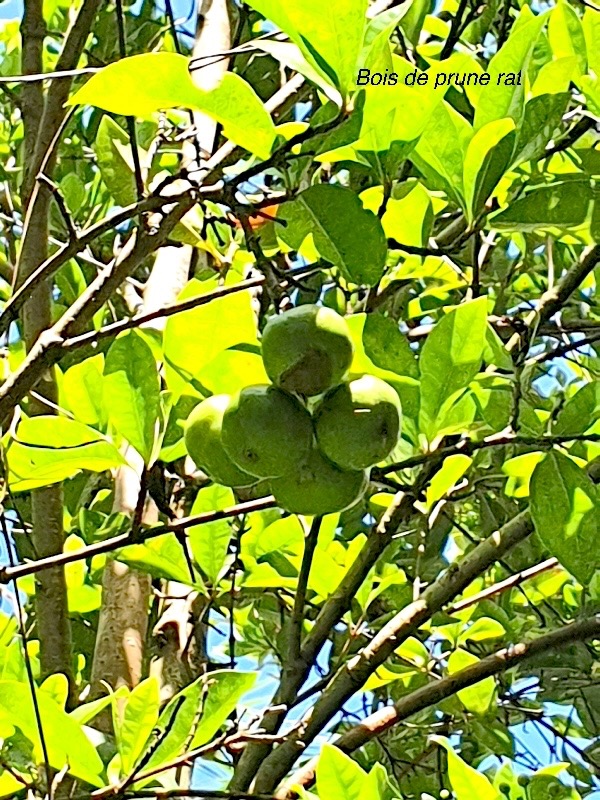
pixel 266 431
pixel 307 349
pixel 204 444
pixel 319 487
pixel 358 423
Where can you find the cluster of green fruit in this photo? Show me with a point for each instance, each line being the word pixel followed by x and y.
pixel 315 452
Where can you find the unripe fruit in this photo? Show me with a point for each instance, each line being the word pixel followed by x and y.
pixel 307 349
pixel 266 432
pixel 318 487
pixel 358 423
pixel 203 442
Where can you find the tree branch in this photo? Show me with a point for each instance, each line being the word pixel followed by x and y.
pixel 47 349
pixel 115 328
pixel 336 605
pixel 58 91
pixel 70 250
pixel 502 586
pixel 8 574
pixel 404 624
pixel 433 693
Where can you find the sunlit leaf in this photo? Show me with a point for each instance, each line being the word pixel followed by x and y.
pixel 48 449
pixel 132 384
pixel 143 84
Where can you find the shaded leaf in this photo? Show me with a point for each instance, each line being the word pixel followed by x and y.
pixel 564 508
pixel 488 156
pixel 564 204
pixel 579 413
pixel 345 233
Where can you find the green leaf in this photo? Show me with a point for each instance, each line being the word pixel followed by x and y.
pixel 376 52
pixel 466 782
pixel 66 742
pixel 344 232
pixel 57 687
pixel 283 537
pixel 413 20
pixel 231 370
pixel 499 100
pixel 564 204
pixel 441 150
pixel 73 190
pixel 453 468
pixel 83 389
pixel 554 77
pixel 86 712
pixel 564 508
pixel 591 31
pixel 476 698
pixel 408 215
pixel 520 469
pixel 161 557
pixel 140 85
pixel 194 338
pixel 139 716
pixel 450 359
pixel 481 630
pixel 131 382
pixel 387 347
pixel 541 120
pixel 330 35
pixel 200 710
pixel 113 152
pixel 376 785
pixel 173 444
pixel 393 119
pixel 338 776
pixel 407 386
pixel 49 449
pixel 565 34
pixel 209 542
pixel 487 158
pixel 579 413
pixel 291 56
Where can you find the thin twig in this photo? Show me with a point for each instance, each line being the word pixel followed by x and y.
pixel 502 586
pixel 433 693
pixel 468 447
pixel 295 634
pixel 26 657
pixel 8 574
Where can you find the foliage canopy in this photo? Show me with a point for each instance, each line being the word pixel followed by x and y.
pixel 153 219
